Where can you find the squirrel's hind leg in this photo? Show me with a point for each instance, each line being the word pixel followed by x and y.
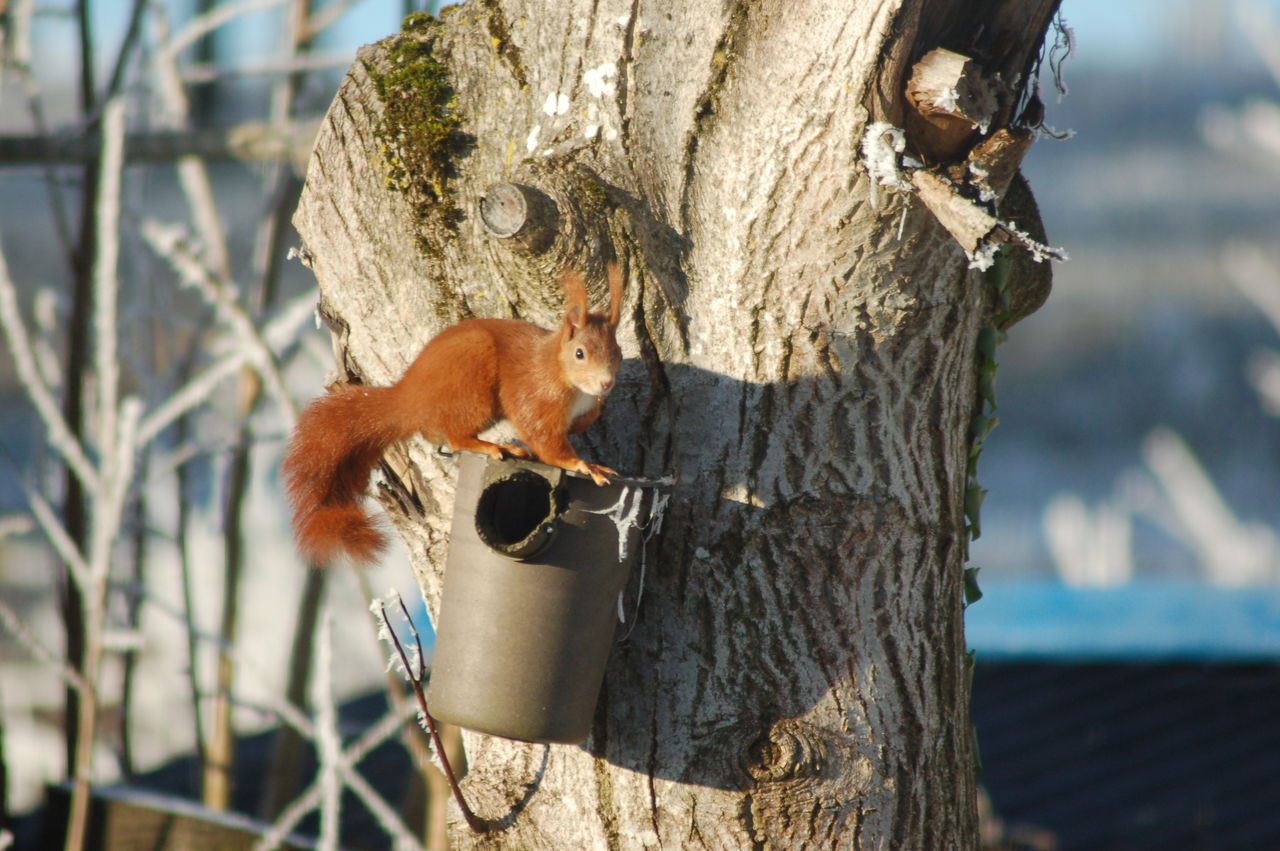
pixel 496 451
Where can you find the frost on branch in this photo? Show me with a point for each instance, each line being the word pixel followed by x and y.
pixel 982 201
pixel 882 155
pixel 978 231
pixel 959 124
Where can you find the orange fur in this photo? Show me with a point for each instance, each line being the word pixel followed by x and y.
pixel 338 440
pixel 467 378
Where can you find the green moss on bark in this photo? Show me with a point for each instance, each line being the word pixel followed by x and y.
pixel 420 132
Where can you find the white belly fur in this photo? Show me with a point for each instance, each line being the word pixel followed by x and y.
pixel 504 432
pixel 583 403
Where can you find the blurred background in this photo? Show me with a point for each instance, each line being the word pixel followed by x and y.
pixel 1140 403
pixel 1128 638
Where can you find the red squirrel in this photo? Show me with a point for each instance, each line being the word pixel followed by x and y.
pixel 548 384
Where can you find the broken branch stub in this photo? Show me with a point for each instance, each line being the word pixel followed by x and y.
pixel 522 214
pixel 978 231
pixel 952 99
pixel 551 217
pixel 998 156
pixel 968 223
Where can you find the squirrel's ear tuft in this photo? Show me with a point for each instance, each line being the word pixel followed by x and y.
pixel 575 289
pixel 575 318
pixel 615 293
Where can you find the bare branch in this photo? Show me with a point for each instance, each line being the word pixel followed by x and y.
pixel 1259 26
pixel 109 500
pixel 28 640
pixel 192 175
pixel 15 524
pixel 59 433
pixel 106 282
pixel 1256 277
pixel 1235 553
pixel 346 763
pixel 278 334
pixel 192 395
pixel 287 712
pixel 57 534
pixel 475 822
pixel 327 17
pixel 252 141
pixel 168 243
pixel 328 740
pixel 288 820
pixel 20 41
pixel 201 26
pixel 387 818
pixel 316 60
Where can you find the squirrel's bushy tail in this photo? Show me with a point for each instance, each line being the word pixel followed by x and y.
pixel 338 439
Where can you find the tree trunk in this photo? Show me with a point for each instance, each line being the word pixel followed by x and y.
pixel 800 353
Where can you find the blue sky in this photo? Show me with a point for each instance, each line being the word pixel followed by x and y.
pixel 1149 33
pixel 1117 31
pixel 1110 33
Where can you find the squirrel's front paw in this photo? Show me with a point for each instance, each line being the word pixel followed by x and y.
pixel 598 472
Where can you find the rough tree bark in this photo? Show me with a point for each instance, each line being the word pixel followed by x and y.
pixel 801 354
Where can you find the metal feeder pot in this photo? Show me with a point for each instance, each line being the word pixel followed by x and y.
pixel 537 560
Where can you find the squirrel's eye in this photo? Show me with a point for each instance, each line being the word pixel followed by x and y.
pixel 579 353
